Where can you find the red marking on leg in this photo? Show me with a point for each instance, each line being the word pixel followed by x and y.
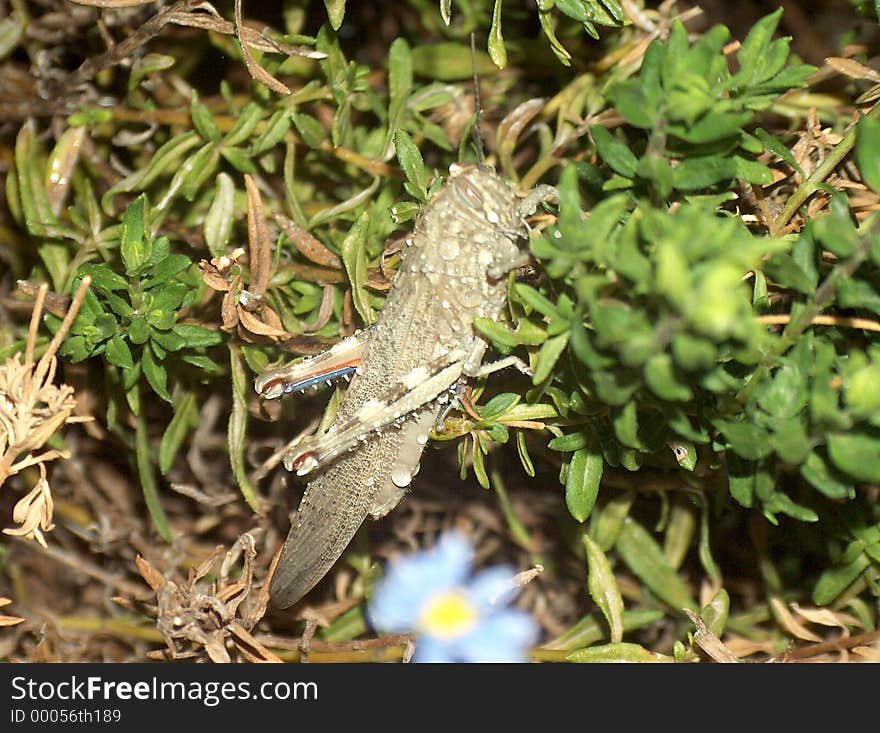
pixel 298 462
pixel 270 385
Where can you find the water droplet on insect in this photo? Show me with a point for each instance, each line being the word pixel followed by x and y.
pixel 401 477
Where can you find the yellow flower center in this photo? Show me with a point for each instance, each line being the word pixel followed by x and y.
pixel 449 615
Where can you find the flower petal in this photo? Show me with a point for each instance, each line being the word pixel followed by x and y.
pixel 506 636
pixel 431 650
pixel 492 587
pixel 398 601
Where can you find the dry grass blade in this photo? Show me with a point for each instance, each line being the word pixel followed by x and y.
pixel 179 14
pixel 255 39
pixel 852 68
pixel 32 408
pixel 113 3
pixel 255 70
pixel 198 618
pixel 308 246
pixel 260 245
pixel 8 620
pixel 708 642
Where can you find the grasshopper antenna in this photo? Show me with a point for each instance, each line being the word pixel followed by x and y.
pixel 478 138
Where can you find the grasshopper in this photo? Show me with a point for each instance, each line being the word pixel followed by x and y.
pixel 403 369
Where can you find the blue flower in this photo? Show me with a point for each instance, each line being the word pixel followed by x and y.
pixel 455 617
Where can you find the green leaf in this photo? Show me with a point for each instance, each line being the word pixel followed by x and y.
pixel 400 81
pixel 103 278
pixel 693 174
pixel 160 304
pixel 238 159
pixel 274 132
pixel 497 51
pixel 160 250
pixel 190 177
pixel 203 121
pixel 335 12
pixel 716 612
pixel 856 454
pixel 617 155
pixel 785 270
pixel 632 102
pixel 749 479
pixel 138 330
pixel 568 442
pixel 245 123
pixel 167 341
pixel 623 652
pixel 500 404
pixel 679 533
pixel 31 191
pixel 790 439
pixel 311 131
pixel 752 55
pixel 527 295
pixel 354 257
pixel 779 150
pixel 118 353
pixel 185 418
pixel 868 151
pixel 165 270
pixel 75 348
pixel 836 580
pixel 522 450
pixel 135 244
pixel 166 158
pixel 204 363
pixel 11 31
pixel 836 230
pixel 105 326
pixel 645 558
pixel 220 216
pixel 606 525
pixel 549 354
pixel 785 395
pixel 197 337
pixel 826 478
pixel 603 588
pixel 626 425
pixel 862 390
pixel 236 434
pixel 582 481
pixel 781 503
pixel 450 61
pixel 589 630
pixel 526 333
pixel 561 53
pixel 411 161
pixel 661 377
pixel 746 438
pixel 148 480
pixel 155 373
